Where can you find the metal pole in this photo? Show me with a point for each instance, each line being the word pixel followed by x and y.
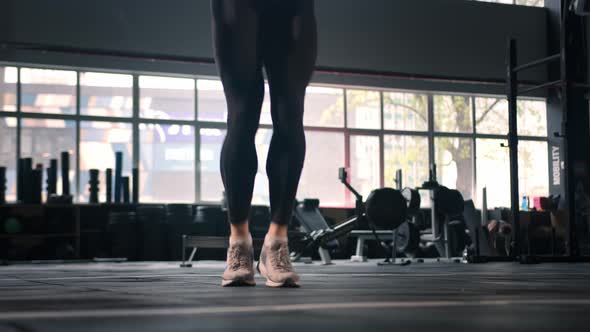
pixel 19 179
pixel 540 86
pixel 79 190
pixel 398 179
pixel 433 220
pixel 537 62
pixel 135 153
pixel 446 238
pixel 394 247
pixel 572 244
pixel 512 93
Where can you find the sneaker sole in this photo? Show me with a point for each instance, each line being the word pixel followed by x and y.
pixel 288 283
pixel 238 283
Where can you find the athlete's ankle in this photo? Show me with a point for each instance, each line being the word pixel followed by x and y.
pixel 233 238
pixel 277 231
pixel 240 231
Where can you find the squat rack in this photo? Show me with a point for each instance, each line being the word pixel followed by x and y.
pixel 564 86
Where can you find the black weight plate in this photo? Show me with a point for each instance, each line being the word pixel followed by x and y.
pixel 386 208
pixel 449 201
pixel 408 239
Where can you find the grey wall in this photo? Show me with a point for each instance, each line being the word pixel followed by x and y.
pixel 431 37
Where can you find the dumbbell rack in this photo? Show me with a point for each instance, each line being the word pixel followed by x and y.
pixel 35 225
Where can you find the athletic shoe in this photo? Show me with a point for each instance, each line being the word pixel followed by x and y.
pixel 240 264
pixel 275 265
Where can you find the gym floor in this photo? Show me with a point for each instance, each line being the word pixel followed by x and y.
pixel 342 297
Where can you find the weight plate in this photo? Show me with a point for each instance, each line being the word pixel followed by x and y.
pixel 386 208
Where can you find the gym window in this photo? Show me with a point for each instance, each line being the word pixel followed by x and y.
pixel 374 132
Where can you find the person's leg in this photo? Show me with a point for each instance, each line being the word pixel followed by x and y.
pixel 289 52
pixel 235 36
pixel 289 63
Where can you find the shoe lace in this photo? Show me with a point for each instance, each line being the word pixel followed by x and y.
pixel 280 259
pixel 238 257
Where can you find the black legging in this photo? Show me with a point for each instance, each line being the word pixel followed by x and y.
pixel 281 36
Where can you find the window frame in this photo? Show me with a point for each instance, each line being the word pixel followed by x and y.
pixel 135 120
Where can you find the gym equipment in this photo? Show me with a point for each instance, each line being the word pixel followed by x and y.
pixel 259 222
pixel 179 222
pixel 109 184
pixel 308 216
pixel 123 235
pixel 408 239
pixel 64 251
pixel 446 207
pixel 93 186
pixel 210 231
pixel 207 242
pixel 385 208
pixel 19 179
pixel 207 220
pixel 52 177
pixel 135 185
pixel 36 185
pixel 448 201
pixel 66 196
pixel 65 174
pixel 398 179
pixel 118 175
pixel 125 185
pixel 180 213
pixel 413 200
pixel 2 185
pixel 582 7
pixel 572 88
pixel 25 180
pixel 152 227
pixel 13 225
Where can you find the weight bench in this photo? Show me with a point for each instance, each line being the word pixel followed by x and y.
pixel 362 236
pixel 194 242
pixel 207 242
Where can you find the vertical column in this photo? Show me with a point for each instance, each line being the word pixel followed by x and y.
pixel 347 195
pixel 19 183
pixel 197 161
pixel 574 68
pixel 136 135
pixel 431 154
pixel 512 93
pixel 78 103
pixel 382 143
pixel 475 194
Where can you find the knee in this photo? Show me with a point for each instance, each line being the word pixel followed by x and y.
pixel 288 120
pixel 290 135
pixel 244 99
pixel 244 111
